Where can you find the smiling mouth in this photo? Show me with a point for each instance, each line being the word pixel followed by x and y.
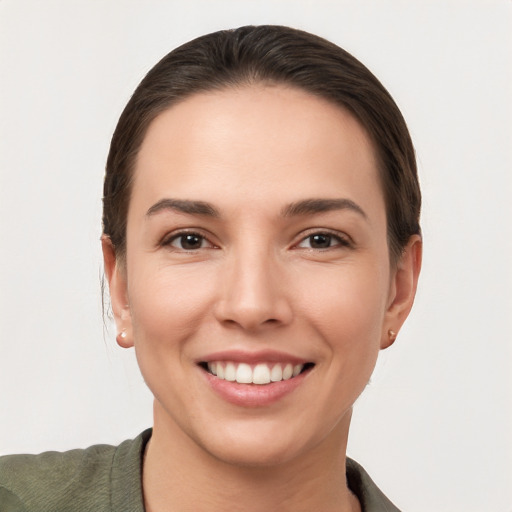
pixel 260 374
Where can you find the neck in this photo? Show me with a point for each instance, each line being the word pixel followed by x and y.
pixel 180 476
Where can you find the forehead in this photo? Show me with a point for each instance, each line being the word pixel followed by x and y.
pixel 262 141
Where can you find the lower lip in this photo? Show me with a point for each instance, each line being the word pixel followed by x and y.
pixel 253 395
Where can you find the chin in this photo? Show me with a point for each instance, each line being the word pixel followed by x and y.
pixel 261 452
pixel 253 437
pixel 265 444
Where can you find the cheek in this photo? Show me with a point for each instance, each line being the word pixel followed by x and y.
pixel 350 301
pixel 348 313
pixel 167 303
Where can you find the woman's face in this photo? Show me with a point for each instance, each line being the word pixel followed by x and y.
pixel 256 249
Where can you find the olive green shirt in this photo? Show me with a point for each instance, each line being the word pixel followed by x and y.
pixel 105 478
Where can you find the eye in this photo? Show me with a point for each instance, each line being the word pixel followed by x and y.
pixel 323 241
pixel 188 242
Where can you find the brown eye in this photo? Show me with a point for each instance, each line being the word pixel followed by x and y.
pixel 323 241
pixel 188 242
pixel 320 241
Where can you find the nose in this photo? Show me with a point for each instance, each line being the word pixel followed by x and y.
pixel 254 293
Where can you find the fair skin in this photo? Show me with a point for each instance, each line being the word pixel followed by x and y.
pixel 256 234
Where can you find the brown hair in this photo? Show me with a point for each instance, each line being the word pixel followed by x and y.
pixel 278 55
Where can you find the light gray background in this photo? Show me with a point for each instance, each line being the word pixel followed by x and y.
pixel 434 426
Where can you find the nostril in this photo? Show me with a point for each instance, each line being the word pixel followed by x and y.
pixel 250 322
pixel 252 306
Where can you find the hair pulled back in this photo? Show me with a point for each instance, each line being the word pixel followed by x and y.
pixel 274 55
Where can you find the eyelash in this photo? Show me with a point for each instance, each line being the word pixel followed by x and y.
pixel 168 242
pixel 340 241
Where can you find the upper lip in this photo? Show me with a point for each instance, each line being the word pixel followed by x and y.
pixel 260 356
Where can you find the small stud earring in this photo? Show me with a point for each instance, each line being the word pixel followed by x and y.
pixel 121 337
pixel 392 335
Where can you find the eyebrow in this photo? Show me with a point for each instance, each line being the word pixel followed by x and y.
pixel 303 207
pixel 312 206
pixel 184 206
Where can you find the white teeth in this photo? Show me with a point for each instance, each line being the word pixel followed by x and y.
pixel 276 374
pixel 230 372
pixel 243 374
pixel 261 374
pixel 287 372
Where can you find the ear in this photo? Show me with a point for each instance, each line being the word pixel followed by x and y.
pixel 116 277
pixel 402 290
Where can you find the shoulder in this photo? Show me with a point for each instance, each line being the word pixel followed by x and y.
pixel 372 499
pixel 52 479
pixel 89 479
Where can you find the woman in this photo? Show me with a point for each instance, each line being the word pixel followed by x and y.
pixel 261 244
